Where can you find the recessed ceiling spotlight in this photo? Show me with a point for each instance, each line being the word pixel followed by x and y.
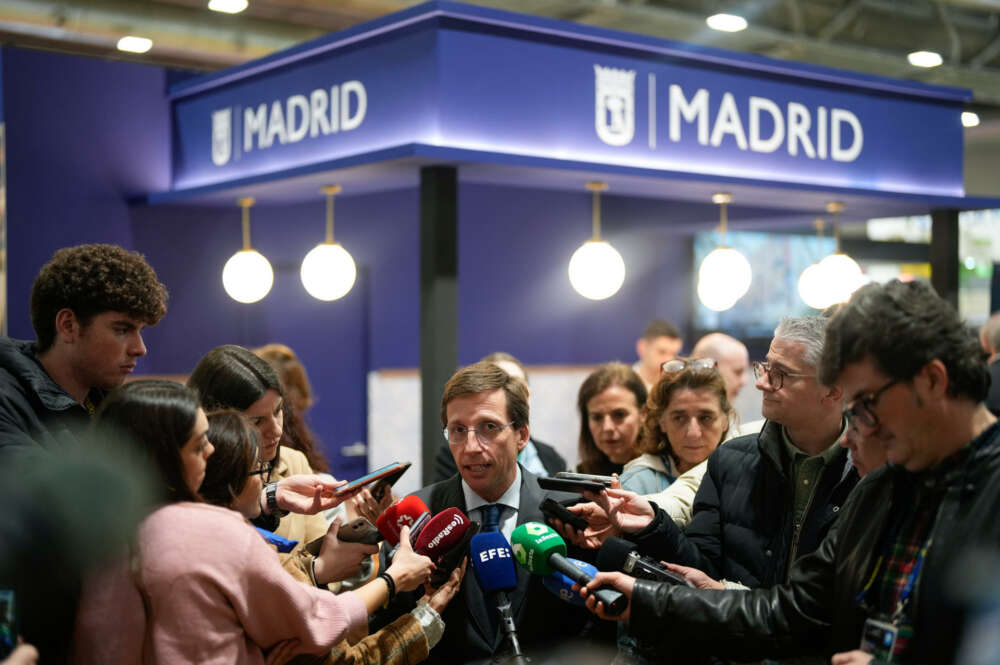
pixel 228 6
pixel 924 59
pixel 726 22
pixel 970 119
pixel 135 44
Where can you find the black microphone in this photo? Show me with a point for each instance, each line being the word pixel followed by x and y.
pixel 618 554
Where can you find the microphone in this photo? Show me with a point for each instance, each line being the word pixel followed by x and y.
pixel 493 561
pixel 445 539
pixel 542 551
pixel 619 554
pixel 408 511
pixel 561 586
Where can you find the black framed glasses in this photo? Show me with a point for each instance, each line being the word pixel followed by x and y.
pixel 262 469
pixel 775 375
pixel 863 409
pixel 486 433
pixel 678 365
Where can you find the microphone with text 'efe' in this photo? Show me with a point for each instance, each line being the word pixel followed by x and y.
pixel 409 511
pixel 618 554
pixel 562 587
pixel 542 551
pixel 493 562
pixel 445 540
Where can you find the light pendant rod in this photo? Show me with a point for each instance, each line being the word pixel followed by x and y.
pixel 819 224
pixel 245 203
pixel 597 188
pixel 330 192
pixel 835 208
pixel 723 199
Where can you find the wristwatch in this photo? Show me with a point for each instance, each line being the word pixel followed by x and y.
pixel 271 492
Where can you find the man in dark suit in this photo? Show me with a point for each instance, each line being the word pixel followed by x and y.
pixel 485 416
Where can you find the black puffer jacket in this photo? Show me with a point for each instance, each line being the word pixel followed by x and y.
pixel 742 529
pixel 816 609
pixel 36 415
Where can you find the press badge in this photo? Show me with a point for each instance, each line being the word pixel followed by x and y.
pixel 878 638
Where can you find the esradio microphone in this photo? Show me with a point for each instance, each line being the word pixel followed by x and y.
pixel 409 511
pixel 619 554
pixel 562 587
pixel 445 539
pixel 541 550
pixel 493 561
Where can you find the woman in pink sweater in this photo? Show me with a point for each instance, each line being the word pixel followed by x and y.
pixel 201 585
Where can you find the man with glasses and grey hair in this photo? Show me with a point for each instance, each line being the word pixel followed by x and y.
pixel 886 577
pixel 766 499
pixel 484 411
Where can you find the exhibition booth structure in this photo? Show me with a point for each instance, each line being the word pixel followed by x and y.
pixel 466 154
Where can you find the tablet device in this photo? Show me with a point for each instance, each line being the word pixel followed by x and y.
pixel 395 469
pixel 566 485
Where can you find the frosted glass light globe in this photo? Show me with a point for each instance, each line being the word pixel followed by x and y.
pixel 596 270
pixel 723 278
pixel 247 276
pixel 843 275
pixel 328 271
pixel 814 287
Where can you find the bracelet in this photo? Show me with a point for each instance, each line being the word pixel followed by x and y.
pixel 391 584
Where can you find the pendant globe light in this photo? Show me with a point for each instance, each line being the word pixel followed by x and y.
pixel 725 274
pixel 814 287
pixel 596 269
pixel 247 275
pixel 328 270
pixel 842 273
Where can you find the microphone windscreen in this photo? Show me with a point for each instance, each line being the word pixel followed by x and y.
pixel 613 554
pixel 442 533
pixel 493 561
pixel 386 524
pixel 534 543
pixel 562 586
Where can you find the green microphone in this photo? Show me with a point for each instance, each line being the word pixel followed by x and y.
pixel 539 549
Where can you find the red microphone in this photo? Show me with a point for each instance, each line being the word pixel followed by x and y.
pixel 409 511
pixel 445 540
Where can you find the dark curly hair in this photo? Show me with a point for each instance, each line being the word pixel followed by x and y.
pixel 592 460
pixel 90 280
pixel 654 440
pixel 903 326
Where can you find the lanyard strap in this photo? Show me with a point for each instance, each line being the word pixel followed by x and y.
pixel 911 579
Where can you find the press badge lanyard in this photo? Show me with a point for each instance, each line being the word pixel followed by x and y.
pixel 911 580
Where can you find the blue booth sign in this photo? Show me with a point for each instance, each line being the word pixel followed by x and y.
pixel 501 84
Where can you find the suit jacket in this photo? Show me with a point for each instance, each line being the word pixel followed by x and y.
pixel 472 633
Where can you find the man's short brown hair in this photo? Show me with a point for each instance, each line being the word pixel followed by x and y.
pixel 90 280
pixel 660 328
pixel 484 377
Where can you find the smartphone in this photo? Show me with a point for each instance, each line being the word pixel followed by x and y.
pixel 395 469
pixel 568 475
pixel 567 485
pixel 382 486
pixel 358 530
pixel 8 622
pixel 552 508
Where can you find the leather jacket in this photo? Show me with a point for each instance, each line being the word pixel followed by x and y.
pixel 816 610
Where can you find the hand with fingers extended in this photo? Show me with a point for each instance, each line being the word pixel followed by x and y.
pixel 283 651
pixel 364 504
pixel 598 529
pixel 626 511
pixel 409 570
pixel 619 581
pixel 439 598
pixel 696 578
pixel 308 493
pixel 338 559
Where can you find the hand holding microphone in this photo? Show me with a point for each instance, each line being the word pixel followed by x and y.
pixel 541 550
pixel 445 539
pixel 408 569
pixel 617 554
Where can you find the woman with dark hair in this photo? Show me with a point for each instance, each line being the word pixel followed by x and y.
pixel 609 402
pixel 685 418
pixel 231 377
pixel 194 564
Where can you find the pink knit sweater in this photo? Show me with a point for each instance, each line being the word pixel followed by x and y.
pixel 215 593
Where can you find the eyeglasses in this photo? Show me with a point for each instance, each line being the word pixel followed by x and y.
pixel 676 365
pixel 262 469
pixel 486 433
pixel 863 410
pixel 775 375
